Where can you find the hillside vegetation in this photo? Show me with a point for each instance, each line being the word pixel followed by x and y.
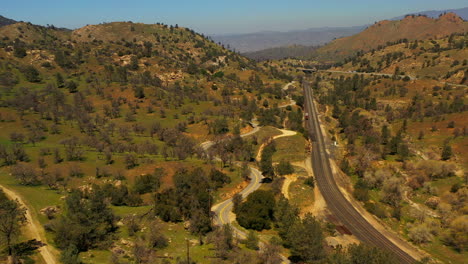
pixel 411 28
pixel 442 59
pixel 100 130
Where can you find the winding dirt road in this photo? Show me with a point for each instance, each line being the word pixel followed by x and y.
pixel 33 227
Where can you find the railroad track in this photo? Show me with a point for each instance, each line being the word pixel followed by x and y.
pixel 335 200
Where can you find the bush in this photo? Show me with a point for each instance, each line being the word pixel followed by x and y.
pixel 310 181
pixel 218 178
pixel 420 234
pixel 147 183
pixel 361 194
pixel 376 209
pixel 284 168
pixel 31 74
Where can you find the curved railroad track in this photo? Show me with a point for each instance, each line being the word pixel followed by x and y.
pixel 335 200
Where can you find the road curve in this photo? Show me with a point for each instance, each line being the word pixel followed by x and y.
pixel 223 209
pixel 34 228
pixel 336 202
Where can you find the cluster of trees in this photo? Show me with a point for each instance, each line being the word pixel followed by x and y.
pixel 233 148
pixel 190 199
pixel 92 220
pixel 266 161
pixel 261 210
pixel 257 211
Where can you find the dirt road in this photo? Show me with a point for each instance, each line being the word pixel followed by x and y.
pixel 33 227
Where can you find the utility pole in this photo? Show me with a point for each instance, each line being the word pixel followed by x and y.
pixel 188 251
pixel 209 204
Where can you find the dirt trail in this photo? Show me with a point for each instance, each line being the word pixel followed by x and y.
pixel 288 179
pixel 284 133
pixel 34 228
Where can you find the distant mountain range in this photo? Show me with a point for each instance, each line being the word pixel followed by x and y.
pixel 272 39
pixel 308 37
pixel 278 53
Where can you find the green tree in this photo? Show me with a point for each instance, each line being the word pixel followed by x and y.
pixel 457 234
pixel 19 50
pixel 266 161
pixel 139 92
pixel 133 63
pixel 285 215
pixel 306 240
pixel 72 86
pixel 70 255
pixel 257 211
pixel 31 74
pixel 59 81
pixel 147 183
pixel 284 168
pixel 89 215
pixel 364 254
pixel 218 178
pixel 385 134
pixel 220 126
pixel 12 217
pixel 446 151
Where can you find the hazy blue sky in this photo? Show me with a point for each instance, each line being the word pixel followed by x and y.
pixel 219 16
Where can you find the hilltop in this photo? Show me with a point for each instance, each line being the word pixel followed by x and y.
pixel 6 21
pixel 381 33
pixel 461 12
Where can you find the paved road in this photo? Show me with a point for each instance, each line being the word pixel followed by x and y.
pixel 224 209
pixel 336 202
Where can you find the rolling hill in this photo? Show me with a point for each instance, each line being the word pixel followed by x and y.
pixel 411 28
pixel 122 108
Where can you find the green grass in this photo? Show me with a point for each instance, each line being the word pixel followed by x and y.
pixel 290 148
pixel 35 197
pixel 444 185
pixel 300 194
pixel 128 210
pixel 444 253
pixel 176 249
pixel 95 256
